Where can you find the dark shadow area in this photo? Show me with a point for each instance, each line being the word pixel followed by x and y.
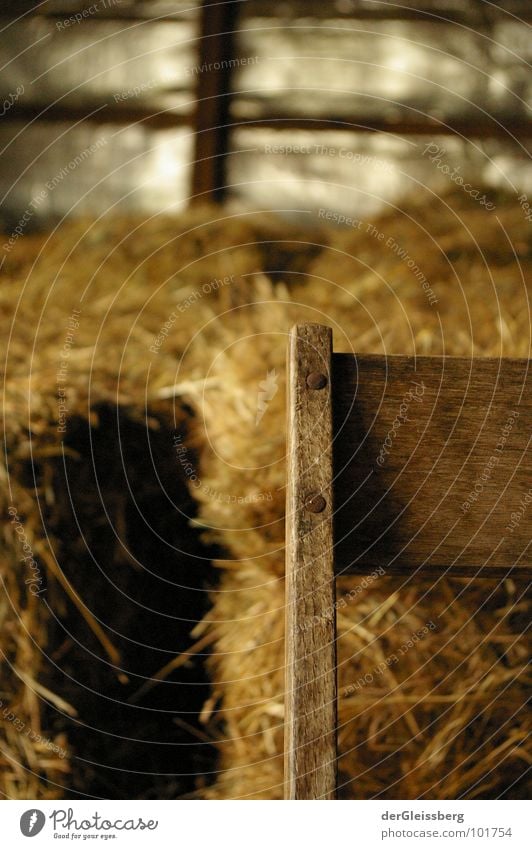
pixel 144 574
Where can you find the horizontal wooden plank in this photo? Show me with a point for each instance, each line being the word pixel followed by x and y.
pixel 118 10
pixel 432 465
pixel 409 10
pixel 501 126
pixel 100 113
pixel 105 113
pixel 437 10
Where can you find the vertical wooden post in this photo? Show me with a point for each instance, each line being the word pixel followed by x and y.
pixel 310 699
pixel 218 21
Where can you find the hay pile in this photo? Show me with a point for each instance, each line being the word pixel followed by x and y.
pixel 177 323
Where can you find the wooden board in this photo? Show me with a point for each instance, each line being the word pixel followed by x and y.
pixel 433 472
pixel 310 702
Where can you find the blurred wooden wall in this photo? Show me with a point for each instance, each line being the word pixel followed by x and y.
pixel 288 104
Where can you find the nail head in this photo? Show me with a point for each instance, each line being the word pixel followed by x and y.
pixel 315 503
pixel 316 380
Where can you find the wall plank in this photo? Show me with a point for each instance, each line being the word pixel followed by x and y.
pixel 433 469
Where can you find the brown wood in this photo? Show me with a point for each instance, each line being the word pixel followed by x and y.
pixel 107 112
pixel 497 126
pixel 112 12
pixel 99 113
pixel 431 474
pixel 445 491
pixel 218 21
pixel 471 14
pixel 310 704
pixel 467 13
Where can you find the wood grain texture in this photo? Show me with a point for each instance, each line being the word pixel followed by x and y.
pixel 432 464
pixel 310 705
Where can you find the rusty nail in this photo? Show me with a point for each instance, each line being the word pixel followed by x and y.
pixel 316 380
pixel 315 503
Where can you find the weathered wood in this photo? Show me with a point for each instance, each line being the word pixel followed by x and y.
pixel 433 470
pixel 432 475
pixel 310 705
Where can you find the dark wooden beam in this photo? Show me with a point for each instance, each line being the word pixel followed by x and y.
pixel 218 21
pixel 497 127
pixel 474 13
pixel 96 113
pixel 108 11
pixel 217 144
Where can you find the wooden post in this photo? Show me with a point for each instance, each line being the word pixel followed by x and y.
pixel 310 699
pixel 218 21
